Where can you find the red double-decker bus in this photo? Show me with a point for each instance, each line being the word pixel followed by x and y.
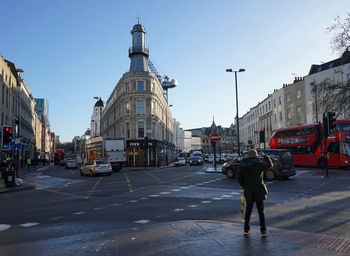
pixel 306 142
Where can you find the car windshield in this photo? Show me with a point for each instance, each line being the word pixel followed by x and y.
pixel 102 162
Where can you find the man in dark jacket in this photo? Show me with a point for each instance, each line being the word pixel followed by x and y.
pixel 251 178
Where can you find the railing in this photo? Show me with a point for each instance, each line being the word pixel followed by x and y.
pixel 138 49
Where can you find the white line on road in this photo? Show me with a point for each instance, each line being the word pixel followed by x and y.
pixel 79 213
pixel 142 221
pixel 206 202
pixel 164 193
pixel 192 206
pixel 178 210
pixel 4 227
pixel 30 224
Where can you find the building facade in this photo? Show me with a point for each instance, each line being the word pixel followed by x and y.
pixel 138 111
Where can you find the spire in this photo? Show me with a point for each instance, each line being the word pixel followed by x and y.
pixel 138 53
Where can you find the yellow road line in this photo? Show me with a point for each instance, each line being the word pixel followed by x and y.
pixel 155 177
pixel 128 181
pixel 94 187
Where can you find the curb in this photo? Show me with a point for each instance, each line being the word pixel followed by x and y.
pixel 17 189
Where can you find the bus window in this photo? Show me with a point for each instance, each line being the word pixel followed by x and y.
pixel 334 148
pixel 345 148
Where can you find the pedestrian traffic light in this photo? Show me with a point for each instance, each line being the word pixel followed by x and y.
pixel 331 121
pixel 6 137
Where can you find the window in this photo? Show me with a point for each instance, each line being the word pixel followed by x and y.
pixel 280 116
pixel 127 129
pixel 127 87
pixel 288 98
pixel 298 94
pixel 127 107
pixel 274 103
pixel 289 113
pixel 279 100
pixel 140 129
pixel 140 86
pixel 153 87
pixel 299 110
pixel 140 106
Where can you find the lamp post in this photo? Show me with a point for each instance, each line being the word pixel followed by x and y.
pixel 166 133
pixel 237 118
pixel 18 131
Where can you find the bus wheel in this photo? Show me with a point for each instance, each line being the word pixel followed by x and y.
pixel 270 175
pixel 230 174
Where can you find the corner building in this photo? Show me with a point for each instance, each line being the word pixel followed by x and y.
pixel 137 110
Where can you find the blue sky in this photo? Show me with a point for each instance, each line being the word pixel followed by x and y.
pixel 73 50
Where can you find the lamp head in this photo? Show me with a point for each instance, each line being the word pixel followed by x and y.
pixel 229 70
pixel 241 70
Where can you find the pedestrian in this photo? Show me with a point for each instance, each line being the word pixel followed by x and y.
pixel 29 163
pixel 251 179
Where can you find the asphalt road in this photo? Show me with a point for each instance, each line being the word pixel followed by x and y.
pixel 64 204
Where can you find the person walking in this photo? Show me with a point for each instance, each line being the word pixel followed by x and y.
pixel 251 179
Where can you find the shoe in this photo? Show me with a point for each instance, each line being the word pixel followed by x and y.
pixel 263 234
pixel 246 232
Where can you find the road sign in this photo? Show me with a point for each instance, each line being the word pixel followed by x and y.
pixel 214 137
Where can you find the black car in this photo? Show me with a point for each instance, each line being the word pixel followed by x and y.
pixel 283 166
pixel 196 160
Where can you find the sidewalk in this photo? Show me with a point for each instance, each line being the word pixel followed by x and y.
pixel 25 182
pixel 210 238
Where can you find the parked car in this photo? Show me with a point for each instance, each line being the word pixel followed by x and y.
pixel 95 167
pixel 196 160
pixel 71 163
pixel 283 166
pixel 180 161
pixel 210 158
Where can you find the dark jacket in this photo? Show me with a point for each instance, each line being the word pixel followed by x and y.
pixel 251 177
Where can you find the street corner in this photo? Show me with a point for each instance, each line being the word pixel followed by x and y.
pixel 19 185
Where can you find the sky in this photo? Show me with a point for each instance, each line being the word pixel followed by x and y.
pixel 74 50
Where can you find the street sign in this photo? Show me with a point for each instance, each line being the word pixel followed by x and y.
pixel 214 137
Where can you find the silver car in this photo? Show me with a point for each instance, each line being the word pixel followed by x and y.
pixel 95 167
pixel 71 163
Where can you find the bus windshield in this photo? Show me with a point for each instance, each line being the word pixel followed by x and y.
pixel 345 148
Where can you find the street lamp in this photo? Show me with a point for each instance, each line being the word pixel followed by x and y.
pixel 237 118
pixel 18 130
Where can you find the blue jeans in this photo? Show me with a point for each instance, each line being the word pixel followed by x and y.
pixel 248 213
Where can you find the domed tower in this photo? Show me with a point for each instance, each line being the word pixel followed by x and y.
pixel 138 53
pixel 95 125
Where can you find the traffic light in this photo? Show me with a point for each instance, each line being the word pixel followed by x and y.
pixel 331 121
pixel 6 137
pixel 325 125
pixel 262 136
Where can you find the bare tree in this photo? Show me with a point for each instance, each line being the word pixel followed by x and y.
pixel 341 40
pixel 332 96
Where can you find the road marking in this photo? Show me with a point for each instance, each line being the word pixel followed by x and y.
pixel 94 187
pixel 206 202
pixel 193 206
pixel 142 221
pixel 217 198
pixel 227 196
pixel 154 195
pixel 178 210
pixel 164 193
pixel 132 201
pixel 155 177
pixel 4 227
pixel 99 208
pixel 61 193
pixel 116 204
pixel 144 198
pixel 175 190
pixel 30 224
pixel 128 181
pixel 79 213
